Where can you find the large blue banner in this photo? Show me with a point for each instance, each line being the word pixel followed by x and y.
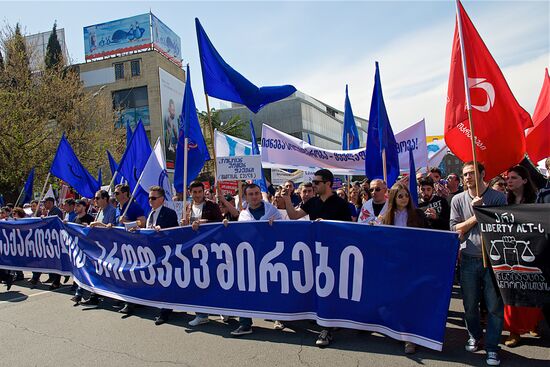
pixel 396 281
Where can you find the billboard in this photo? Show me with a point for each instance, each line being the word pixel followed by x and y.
pixel 171 100
pixel 166 41
pixel 118 36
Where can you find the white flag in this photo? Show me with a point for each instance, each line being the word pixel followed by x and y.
pixel 154 173
pixel 231 146
pixel 50 194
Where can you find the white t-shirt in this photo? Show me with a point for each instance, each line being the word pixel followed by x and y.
pixel 196 211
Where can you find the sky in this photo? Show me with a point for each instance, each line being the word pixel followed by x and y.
pixel 320 46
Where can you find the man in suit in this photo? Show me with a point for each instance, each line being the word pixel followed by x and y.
pixel 159 218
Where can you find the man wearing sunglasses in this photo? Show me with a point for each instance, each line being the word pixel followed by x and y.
pixel 377 205
pixel 134 212
pixel 159 218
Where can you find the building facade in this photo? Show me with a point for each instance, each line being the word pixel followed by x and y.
pixel 300 115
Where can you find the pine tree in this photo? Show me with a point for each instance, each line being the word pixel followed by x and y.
pixel 54 55
pixel 17 68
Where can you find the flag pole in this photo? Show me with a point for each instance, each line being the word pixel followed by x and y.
pixel 185 155
pixel 469 110
pixel 384 170
pixel 112 181
pixel 42 194
pixel 19 197
pixel 211 128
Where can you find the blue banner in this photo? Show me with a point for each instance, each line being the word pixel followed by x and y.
pixel 392 280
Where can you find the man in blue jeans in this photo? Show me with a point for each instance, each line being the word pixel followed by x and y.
pixel 474 277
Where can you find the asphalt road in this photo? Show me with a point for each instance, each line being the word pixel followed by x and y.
pixel 43 328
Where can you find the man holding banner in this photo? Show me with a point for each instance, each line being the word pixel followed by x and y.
pixel 476 278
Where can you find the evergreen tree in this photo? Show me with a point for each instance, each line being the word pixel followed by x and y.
pixel 54 55
pixel 17 60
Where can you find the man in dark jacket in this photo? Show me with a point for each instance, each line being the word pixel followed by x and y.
pixel 436 208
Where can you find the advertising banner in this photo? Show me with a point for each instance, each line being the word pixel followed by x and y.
pixel 171 99
pixel 117 36
pixel 166 41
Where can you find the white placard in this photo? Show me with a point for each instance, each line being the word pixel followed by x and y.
pixel 239 168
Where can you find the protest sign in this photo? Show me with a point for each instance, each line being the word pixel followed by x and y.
pixel 516 239
pixel 239 168
pixel 339 274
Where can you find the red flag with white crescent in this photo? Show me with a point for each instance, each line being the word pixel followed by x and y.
pixel 499 121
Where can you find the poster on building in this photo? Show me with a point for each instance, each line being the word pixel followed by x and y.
pixel 166 41
pixel 171 99
pixel 518 246
pixel 117 36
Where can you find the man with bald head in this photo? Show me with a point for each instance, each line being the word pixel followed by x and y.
pixel 377 205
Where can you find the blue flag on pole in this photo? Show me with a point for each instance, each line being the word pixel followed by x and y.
pixel 223 82
pixel 112 163
pixel 197 152
pixel 412 179
pixel 68 168
pixel 128 132
pixel 256 151
pixel 380 136
pixel 350 138
pixel 28 188
pixel 133 161
pixel 99 177
pixel 308 139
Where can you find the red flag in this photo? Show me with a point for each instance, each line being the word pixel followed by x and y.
pixel 538 138
pixel 499 121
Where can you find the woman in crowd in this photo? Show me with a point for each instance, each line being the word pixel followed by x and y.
pixel 520 320
pixel 498 183
pixel 356 200
pixel 402 213
pixel 352 209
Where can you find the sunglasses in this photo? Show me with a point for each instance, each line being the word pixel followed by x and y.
pixel 153 198
pixel 501 184
pixel 117 193
pixel 403 196
pixel 317 182
pixel 98 198
pixel 375 189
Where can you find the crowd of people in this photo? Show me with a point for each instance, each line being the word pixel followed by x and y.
pixel 443 204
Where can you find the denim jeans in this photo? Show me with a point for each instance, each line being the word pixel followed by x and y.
pixel 475 279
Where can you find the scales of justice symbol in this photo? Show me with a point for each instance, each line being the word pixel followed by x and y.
pixel 511 251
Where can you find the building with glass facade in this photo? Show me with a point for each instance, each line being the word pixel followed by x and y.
pixel 300 115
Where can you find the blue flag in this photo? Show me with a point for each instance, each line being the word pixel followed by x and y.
pixel 112 163
pixel 68 168
pixel 28 188
pixel 223 82
pixel 350 138
pixel 256 151
pixel 308 139
pixel 412 179
pixel 128 132
pixel 380 136
pixel 2 200
pixel 197 152
pixel 99 177
pixel 133 161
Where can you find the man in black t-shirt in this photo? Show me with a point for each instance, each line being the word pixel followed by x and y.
pixel 82 217
pixel 436 208
pixel 326 205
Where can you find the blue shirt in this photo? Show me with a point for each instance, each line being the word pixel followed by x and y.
pixel 258 212
pixel 107 215
pixel 133 213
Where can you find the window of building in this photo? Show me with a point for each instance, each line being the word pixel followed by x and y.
pixel 119 71
pixel 136 68
pixel 331 111
pixel 131 105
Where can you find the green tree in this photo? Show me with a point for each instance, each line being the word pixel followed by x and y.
pixel 54 55
pixel 35 111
